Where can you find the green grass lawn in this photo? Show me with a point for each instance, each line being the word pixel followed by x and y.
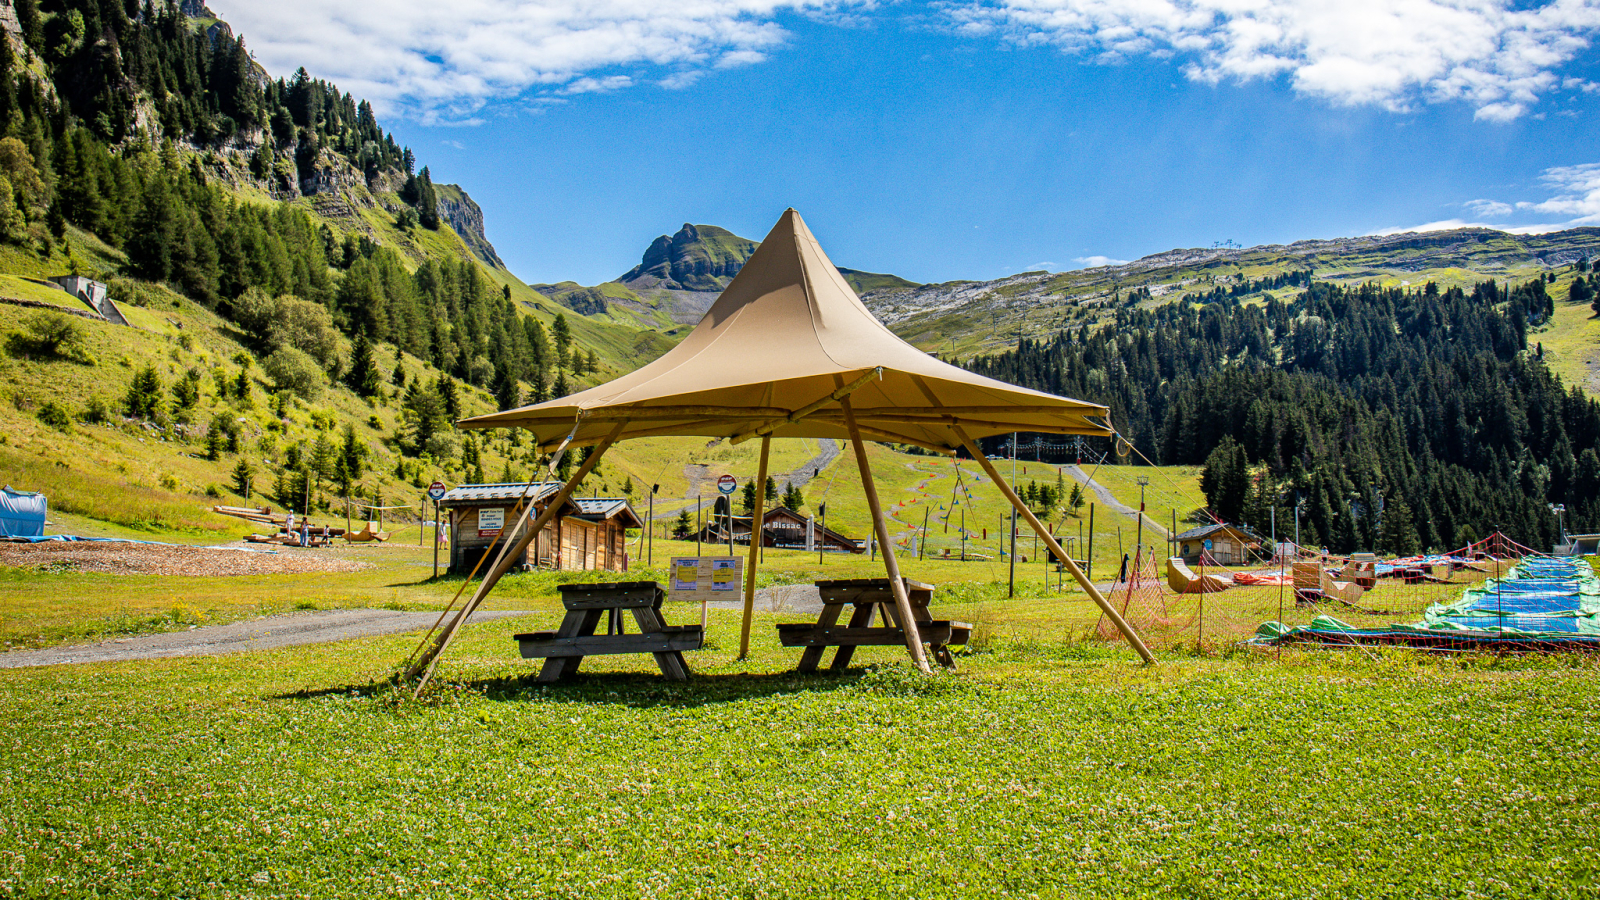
pixel 1043 769
pixel 1050 765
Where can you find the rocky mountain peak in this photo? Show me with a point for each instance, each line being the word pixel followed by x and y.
pixel 697 258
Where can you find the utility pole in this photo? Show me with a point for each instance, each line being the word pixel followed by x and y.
pixel 650 526
pixel 1139 547
pixel 822 512
pixel 1089 559
pixel 1012 588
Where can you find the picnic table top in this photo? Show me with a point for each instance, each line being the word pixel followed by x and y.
pixel 873 583
pixel 597 586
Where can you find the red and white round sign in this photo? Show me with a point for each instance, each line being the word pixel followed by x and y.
pixel 727 484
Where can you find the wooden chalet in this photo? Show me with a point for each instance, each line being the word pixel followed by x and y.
pixel 585 533
pixel 1230 545
pixel 784 529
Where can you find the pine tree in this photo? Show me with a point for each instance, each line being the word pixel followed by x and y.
pixel 427 201
pixel 562 334
pixel 748 495
pixel 1399 531
pixel 363 374
pixel 352 453
pixel 771 492
pixel 243 478
pixel 682 528
pixel 144 400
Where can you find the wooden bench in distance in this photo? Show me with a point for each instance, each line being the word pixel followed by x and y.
pixel 563 650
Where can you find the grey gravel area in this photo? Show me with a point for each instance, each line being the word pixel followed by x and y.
pixel 266 633
pixel 800 598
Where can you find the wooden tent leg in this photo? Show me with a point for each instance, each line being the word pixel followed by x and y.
pixel 755 548
pixel 425 663
pixel 1044 535
pixel 902 601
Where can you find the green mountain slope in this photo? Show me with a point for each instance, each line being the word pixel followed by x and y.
pixel 940 316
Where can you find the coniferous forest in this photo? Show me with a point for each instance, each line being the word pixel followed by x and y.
pixel 1395 419
pixel 114 141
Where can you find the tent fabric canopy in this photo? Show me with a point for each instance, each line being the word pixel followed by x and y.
pixel 773 355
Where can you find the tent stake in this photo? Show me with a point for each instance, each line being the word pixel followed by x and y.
pixel 425 663
pixel 902 600
pixel 755 548
pixel 1077 573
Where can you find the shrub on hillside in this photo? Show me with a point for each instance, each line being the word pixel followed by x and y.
pixel 51 334
pixel 55 416
pixel 287 321
pixel 97 410
pixel 295 371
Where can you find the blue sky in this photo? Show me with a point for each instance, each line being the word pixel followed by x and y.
pixel 956 140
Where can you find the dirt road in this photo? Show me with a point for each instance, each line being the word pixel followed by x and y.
pixel 266 633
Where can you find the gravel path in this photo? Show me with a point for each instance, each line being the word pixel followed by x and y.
pixel 1107 499
pixel 131 558
pixel 266 633
pixel 702 485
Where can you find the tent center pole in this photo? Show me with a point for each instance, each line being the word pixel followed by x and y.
pixel 902 600
pixel 755 549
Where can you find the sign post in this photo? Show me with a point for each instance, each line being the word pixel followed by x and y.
pixel 726 485
pixel 436 493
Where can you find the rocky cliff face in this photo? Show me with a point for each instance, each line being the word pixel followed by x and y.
pixel 465 216
pixel 697 258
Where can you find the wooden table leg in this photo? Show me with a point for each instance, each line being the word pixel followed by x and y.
pixel 811 656
pixel 941 652
pixel 578 623
pixel 861 618
pixel 670 662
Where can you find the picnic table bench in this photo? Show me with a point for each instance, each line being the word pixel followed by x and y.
pixel 867 595
pixel 563 650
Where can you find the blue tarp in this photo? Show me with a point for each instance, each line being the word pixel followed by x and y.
pixel 22 514
pixel 1540 603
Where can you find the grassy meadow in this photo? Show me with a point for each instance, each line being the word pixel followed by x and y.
pixel 1050 765
pixel 1045 768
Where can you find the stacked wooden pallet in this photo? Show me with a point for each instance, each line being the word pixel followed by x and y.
pixel 264 515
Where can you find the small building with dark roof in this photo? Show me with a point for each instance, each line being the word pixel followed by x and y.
pixel 586 533
pixel 1229 544
pixel 781 528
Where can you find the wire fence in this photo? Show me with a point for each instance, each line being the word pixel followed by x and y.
pixel 1448 601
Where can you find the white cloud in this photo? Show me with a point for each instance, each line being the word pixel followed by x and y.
pixel 1574 203
pixel 445 60
pixel 1577 195
pixel 597 85
pixel 1094 262
pixel 1499 56
pixel 456 144
pixel 1492 209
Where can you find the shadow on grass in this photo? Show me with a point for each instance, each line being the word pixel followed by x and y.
pixel 645 690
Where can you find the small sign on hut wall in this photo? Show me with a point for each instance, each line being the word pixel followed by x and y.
pixel 491 520
pixel 703 578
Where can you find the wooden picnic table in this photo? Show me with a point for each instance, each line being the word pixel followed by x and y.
pixel 868 595
pixel 563 650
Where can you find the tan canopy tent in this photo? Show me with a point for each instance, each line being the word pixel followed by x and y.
pixel 789 350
